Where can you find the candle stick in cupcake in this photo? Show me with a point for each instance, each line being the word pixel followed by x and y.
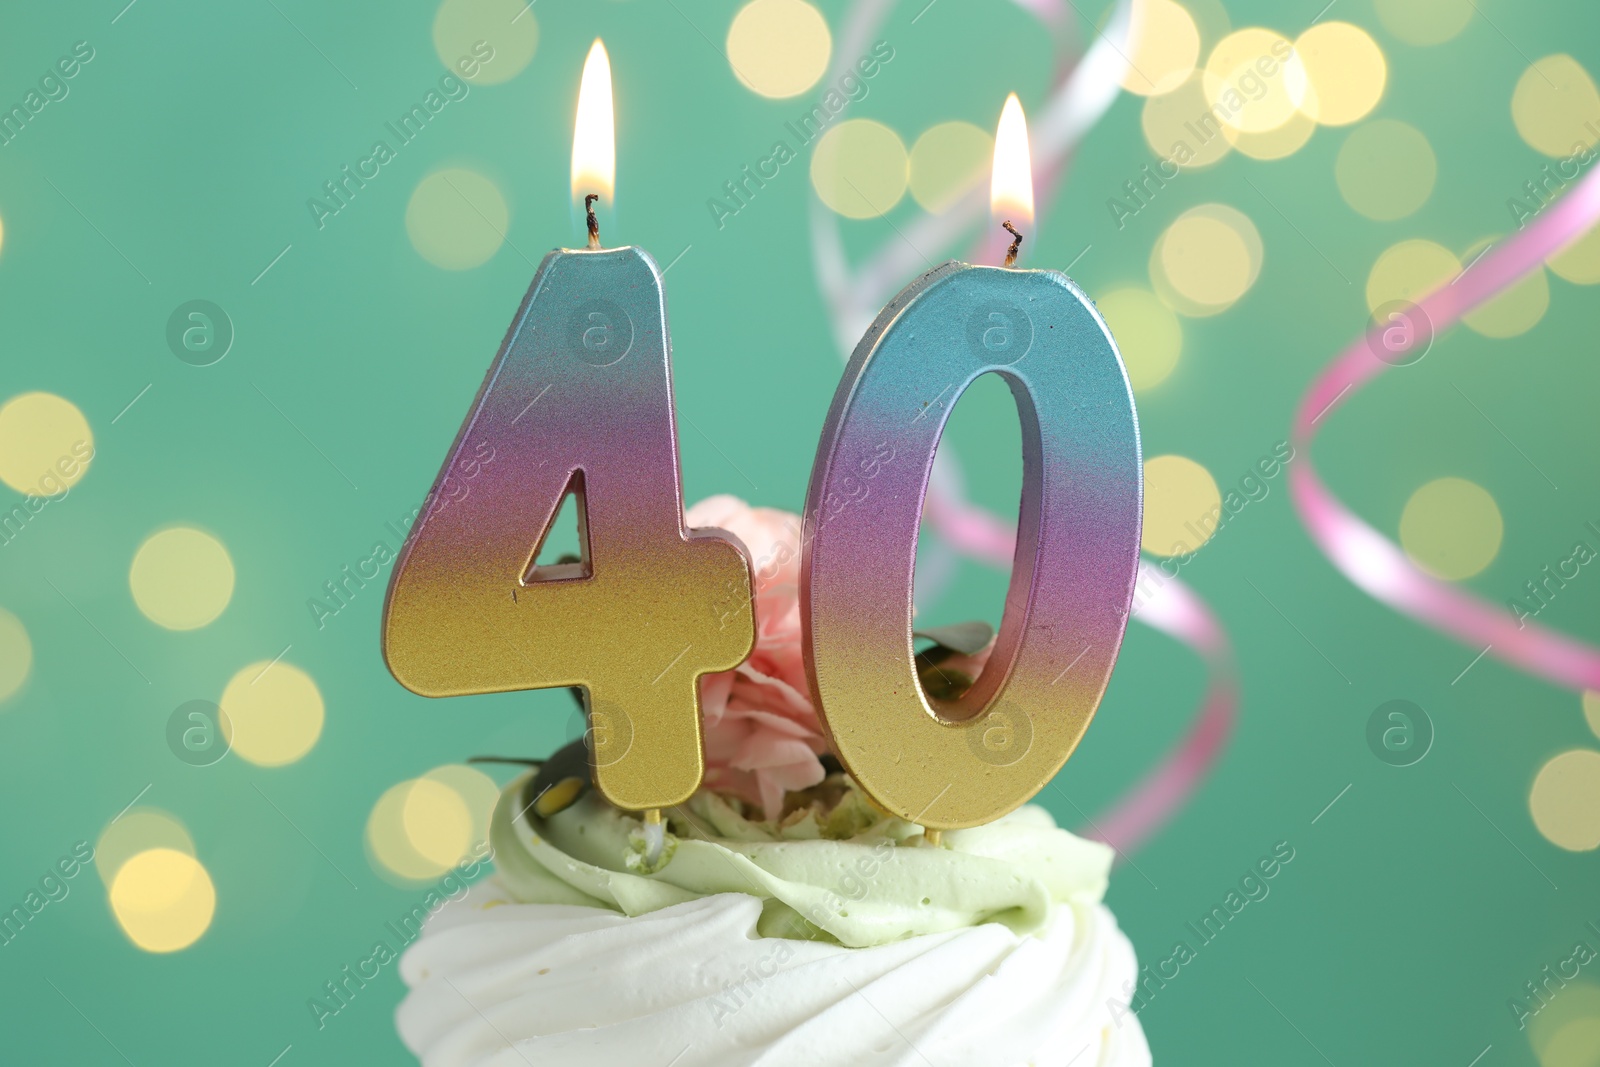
pixel 578 404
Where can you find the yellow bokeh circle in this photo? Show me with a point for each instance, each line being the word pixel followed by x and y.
pixel 1386 169
pixel 1206 260
pixel 1579 261
pixel 1556 106
pixel 274 713
pixel 1576 1044
pixel 1164 49
pixel 1565 800
pixel 389 846
pixel 46 445
pixel 422 827
pixel 2 234
pixel 163 899
pixel 1180 127
pixel 1565 1029
pixel 134 831
pixel 1424 22
pixel 1451 528
pixel 495 39
pixel 16 654
pixel 1408 271
pixel 1515 311
pixel 1182 505
pixel 779 48
pixel 947 161
pixel 860 168
pixel 456 218
pixel 1148 334
pixel 1347 72
pixel 477 791
pixel 1276 143
pixel 181 578
pixel 1254 81
pixel 1591 710
pixel 436 822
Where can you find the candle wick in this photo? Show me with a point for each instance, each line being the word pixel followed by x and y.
pixel 1011 253
pixel 655 836
pixel 594 223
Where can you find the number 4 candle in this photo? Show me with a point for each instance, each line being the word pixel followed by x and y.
pixel 974 759
pixel 578 402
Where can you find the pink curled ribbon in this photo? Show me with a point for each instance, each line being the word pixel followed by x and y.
pixel 1371 560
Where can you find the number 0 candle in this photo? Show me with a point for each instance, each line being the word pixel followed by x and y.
pixel 577 402
pixel 971 760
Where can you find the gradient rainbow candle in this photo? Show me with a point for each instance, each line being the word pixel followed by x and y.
pixel 578 402
pixel 970 761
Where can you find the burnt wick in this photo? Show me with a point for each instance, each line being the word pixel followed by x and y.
pixel 1011 253
pixel 594 223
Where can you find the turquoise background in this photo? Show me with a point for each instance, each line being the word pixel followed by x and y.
pixel 190 145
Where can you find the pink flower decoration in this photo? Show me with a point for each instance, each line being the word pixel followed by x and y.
pixel 763 736
pixel 762 732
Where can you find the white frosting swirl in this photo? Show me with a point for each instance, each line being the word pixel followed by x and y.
pixel 500 984
pixel 992 952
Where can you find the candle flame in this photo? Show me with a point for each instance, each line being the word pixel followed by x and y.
pixel 594 141
pixel 1011 187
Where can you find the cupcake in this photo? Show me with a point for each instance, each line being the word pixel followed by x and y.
pixel 788 919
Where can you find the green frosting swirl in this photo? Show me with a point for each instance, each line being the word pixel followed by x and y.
pixel 835 870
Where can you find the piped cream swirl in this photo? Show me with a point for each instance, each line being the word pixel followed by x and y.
pixel 763 947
